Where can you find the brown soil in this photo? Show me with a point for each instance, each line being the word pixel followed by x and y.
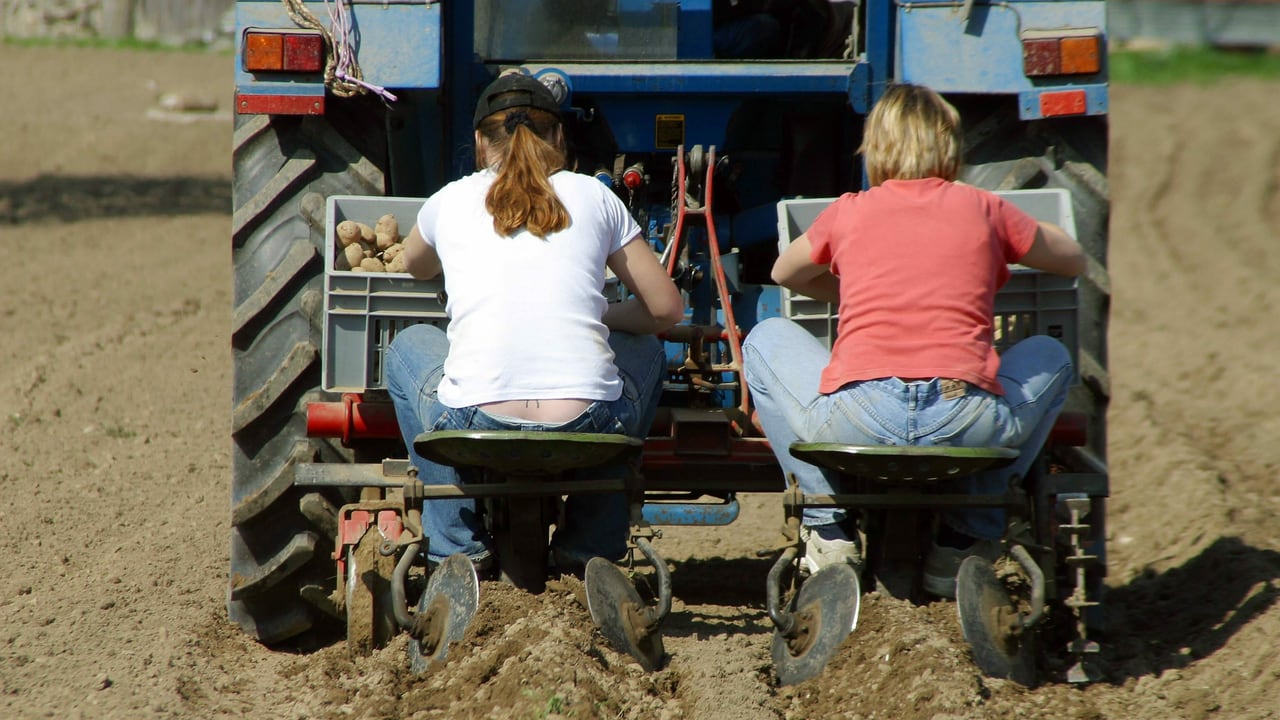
pixel 114 455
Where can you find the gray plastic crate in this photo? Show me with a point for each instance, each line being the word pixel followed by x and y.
pixel 1031 303
pixel 364 311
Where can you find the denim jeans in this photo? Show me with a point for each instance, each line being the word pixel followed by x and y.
pixel 783 362
pixel 596 524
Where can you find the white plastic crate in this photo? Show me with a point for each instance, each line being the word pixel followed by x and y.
pixel 1031 303
pixel 365 310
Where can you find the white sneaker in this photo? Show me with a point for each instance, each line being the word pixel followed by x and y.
pixel 820 552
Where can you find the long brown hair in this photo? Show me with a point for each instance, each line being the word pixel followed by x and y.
pixel 522 145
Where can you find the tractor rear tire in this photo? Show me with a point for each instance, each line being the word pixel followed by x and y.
pixel 1005 153
pixel 284 168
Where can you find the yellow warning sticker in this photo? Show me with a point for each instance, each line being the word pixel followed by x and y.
pixel 668 132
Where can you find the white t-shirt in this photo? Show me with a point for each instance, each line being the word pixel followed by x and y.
pixel 525 312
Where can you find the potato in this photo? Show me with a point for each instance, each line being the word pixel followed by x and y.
pixel 390 253
pixel 348 232
pixel 367 235
pixel 384 240
pixel 397 265
pixel 372 265
pixel 352 255
pixel 389 225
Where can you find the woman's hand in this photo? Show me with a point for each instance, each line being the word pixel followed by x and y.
pixel 657 304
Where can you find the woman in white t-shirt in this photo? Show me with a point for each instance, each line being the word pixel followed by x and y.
pixel 532 343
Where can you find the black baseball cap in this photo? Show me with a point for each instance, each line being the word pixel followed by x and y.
pixel 515 89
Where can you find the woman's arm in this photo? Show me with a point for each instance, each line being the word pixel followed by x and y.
pixel 795 271
pixel 657 304
pixel 1054 251
pixel 420 259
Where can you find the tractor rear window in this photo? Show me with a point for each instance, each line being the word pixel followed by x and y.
pixel 518 30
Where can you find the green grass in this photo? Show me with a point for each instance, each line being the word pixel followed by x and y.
pixel 1201 65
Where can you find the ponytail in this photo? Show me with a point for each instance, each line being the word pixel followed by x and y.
pixel 522 196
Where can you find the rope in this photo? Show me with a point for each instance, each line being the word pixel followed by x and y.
pixel 342 73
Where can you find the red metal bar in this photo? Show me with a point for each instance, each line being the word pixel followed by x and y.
pixel 351 419
pixel 279 104
pixel 722 286
pixel 355 418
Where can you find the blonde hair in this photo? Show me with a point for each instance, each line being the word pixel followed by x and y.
pixel 525 153
pixel 911 133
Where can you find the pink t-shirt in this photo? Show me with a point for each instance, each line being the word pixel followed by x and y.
pixel 919 263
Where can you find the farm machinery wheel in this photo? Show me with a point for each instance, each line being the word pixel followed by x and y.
pixel 369 606
pixel 281 536
pixel 445 610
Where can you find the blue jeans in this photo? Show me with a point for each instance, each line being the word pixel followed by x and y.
pixel 596 524
pixel 782 364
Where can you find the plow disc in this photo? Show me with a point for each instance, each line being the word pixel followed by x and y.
pixel 617 609
pixel 445 609
pixel 826 611
pixel 991 625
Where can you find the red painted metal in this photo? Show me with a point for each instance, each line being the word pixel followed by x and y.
pixel 279 104
pixel 633 177
pixel 1063 102
pixel 353 524
pixel 705 214
pixel 352 419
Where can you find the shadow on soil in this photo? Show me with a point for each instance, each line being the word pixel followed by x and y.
pixel 737 584
pixel 71 199
pixel 1168 620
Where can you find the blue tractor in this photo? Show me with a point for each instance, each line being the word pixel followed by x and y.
pixel 725 125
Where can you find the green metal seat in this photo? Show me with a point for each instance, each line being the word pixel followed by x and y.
pixel 518 452
pixel 902 463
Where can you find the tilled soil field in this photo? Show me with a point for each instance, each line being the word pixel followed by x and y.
pixel 115 470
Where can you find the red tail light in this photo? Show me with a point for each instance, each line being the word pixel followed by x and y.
pixel 1066 51
pixel 296 51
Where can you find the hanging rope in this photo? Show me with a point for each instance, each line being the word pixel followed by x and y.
pixel 342 73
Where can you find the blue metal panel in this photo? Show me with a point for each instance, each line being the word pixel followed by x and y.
pixel 939 48
pixel 880 33
pixel 707 78
pixel 397 45
pixel 693 39
pixel 633 120
pixel 290 89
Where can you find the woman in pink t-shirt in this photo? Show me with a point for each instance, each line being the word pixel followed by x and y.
pixel 913 264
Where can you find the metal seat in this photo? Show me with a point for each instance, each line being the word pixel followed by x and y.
pixel 519 452
pixel 902 464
